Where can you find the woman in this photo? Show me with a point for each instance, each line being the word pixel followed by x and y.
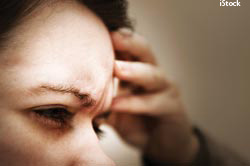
pixel 57 83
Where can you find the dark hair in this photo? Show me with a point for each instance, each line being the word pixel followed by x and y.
pixel 112 12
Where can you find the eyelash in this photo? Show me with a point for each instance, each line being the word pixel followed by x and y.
pixel 59 118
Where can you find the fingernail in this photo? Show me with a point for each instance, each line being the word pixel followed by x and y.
pixel 125 32
pixel 119 65
pixel 123 69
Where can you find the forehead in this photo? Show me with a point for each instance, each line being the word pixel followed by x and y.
pixel 61 43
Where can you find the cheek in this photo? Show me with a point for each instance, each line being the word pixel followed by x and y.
pixel 19 144
pixel 25 145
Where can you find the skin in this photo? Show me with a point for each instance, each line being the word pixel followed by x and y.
pixel 153 120
pixel 55 46
pixel 67 45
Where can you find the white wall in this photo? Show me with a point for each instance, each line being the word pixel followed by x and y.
pixel 205 48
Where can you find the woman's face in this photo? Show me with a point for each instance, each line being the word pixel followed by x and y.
pixel 55 80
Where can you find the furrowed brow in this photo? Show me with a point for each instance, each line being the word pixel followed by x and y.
pixel 85 98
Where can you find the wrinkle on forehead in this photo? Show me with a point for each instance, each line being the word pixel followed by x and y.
pixel 71 45
pixel 55 28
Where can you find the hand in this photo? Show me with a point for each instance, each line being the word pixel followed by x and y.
pixel 148 113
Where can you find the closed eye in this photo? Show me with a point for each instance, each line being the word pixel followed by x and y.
pixel 58 117
pixel 53 116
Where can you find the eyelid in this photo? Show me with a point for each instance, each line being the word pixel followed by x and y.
pixel 48 106
pixel 53 120
pixel 43 107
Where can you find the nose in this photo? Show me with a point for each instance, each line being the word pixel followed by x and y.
pixel 87 150
pixel 92 160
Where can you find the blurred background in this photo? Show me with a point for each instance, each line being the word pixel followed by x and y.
pixel 205 49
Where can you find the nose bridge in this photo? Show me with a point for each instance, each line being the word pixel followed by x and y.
pixel 91 155
pixel 87 150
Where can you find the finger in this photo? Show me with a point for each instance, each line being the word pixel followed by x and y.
pixel 145 75
pixel 154 104
pixel 126 41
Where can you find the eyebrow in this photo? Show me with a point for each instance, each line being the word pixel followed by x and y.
pixel 85 98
